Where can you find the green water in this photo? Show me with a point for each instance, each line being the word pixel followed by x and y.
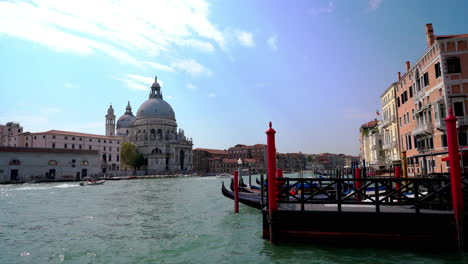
pixel 176 220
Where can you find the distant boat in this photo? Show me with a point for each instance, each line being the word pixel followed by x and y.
pixel 86 183
pixel 223 175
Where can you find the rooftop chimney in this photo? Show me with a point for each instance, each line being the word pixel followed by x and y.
pixel 429 35
pixel 408 66
pixel 399 76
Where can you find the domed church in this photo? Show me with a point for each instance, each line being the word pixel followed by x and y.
pixel 154 131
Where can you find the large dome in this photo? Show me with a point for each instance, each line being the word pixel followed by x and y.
pixel 155 106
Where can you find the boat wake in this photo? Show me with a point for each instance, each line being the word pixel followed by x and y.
pixel 36 187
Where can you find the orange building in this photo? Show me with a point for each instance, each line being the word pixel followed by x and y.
pixel 436 82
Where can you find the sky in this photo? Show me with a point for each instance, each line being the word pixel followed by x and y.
pixel 315 68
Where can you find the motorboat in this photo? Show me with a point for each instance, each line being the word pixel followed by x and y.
pixel 92 183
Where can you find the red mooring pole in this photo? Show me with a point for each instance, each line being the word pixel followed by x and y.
pixel 357 184
pixel 279 174
pixel 236 191
pixel 397 184
pixel 455 174
pixel 271 159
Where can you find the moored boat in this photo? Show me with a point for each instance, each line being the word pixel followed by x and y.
pixel 86 183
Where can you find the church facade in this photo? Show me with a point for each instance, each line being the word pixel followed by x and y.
pixel 155 134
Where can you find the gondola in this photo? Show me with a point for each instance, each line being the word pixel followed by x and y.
pixel 250 199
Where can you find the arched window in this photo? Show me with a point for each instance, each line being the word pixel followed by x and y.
pixel 152 134
pixel 104 157
pixel 15 162
pixel 52 162
pixel 156 151
pixel 167 134
pixel 84 163
pixel 160 134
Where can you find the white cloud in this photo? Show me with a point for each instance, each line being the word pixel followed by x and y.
pixel 191 66
pixel 125 30
pixel 273 42
pixel 71 85
pixel 211 95
pixel 50 110
pixel 315 11
pixel 138 82
pixel 245 38
pixel 192 87
pixel 374 4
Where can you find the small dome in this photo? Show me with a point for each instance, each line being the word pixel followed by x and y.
pixel 156 107
pixel 125 121
pixel 110 111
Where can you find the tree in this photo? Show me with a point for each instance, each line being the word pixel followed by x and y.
pixel 130 157
pixel 127 154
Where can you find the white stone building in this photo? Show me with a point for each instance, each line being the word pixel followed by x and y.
pixel 39 164
pixel 154 131
pixel 108 147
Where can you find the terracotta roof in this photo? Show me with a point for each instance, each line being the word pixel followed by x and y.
pixel 47 150
pixel 212 151
pixel 76 134
pixel 451 36
pixel 229 161
pixel 369 124
pixel 249 160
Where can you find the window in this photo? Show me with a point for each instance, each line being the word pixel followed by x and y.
pixel 65 146
pixel 43 136
pixel 79 146
pixel 52 162
pixel 412 113
pixel 73 146
pixel 398 101
pixel 426 79
pixel 81 139
pixel 84 163
pixel 66 137
pixel 458 107
pixel 53 145
pixel 99 141
pixel 453 65
pixel 104 141
pixel 117 157
pixel 104 148
pixel 73 138
pixel 110 157
pixel 53 137
pixel 444 140
pixel 118 149
pixel 89 147
pixel 90 140
pixel 437 70
pixel 34 137
pixel 462 138
pixel 411 91
pixel 110 148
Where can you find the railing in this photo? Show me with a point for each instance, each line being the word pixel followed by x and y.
pixel 462 121
pixel 412 193
pixel 426 128
pixel 390 145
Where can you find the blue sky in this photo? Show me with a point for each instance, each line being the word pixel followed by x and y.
pixel 315 69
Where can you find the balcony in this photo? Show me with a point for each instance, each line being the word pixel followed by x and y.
pixel 389 145
pixel 423 129
pixel 388 121
pixel 462 121
pixel 418 95
pixel 440 124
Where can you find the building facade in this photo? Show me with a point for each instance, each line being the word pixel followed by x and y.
pixel 107 147
pixel 371 144
pixel 42 164
pixel 389 127
pixel 155 134
pixel 436 82
pixel 203 157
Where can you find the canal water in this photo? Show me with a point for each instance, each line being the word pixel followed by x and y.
pixel 171 220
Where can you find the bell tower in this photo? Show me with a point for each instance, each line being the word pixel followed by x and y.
pixel 110 122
